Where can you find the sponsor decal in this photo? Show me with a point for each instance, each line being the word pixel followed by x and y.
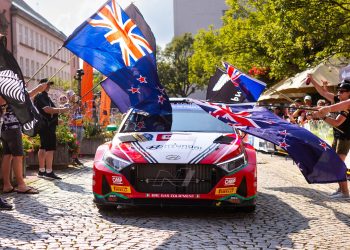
pixel 117 180
pixel 121 189
pixel 163 137
pixel 225 191
pixel 174 146
pixel 173 157
pixel 112 198
pixel 174 196
pixel 230 181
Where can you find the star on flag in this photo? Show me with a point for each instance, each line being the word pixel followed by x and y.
pixel 324 145
pixel 283 145
pixel 142 79
pixel 161 99
pixel 134 90
pixel 284 132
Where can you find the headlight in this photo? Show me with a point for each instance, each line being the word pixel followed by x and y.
pixel 234 163
pixel 115 162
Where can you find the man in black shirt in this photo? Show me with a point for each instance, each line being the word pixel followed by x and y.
pixel 48 133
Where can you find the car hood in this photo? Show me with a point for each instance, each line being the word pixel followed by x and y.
pixel 190 148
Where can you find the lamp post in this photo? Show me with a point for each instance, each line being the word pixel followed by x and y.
pixel 78 76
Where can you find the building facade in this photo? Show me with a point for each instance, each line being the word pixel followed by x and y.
pixel 33 40
pixel 193 15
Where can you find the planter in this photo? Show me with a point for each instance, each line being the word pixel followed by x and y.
pixel 89 146
pixel 61 158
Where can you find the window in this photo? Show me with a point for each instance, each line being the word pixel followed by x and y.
pixel 26 36
pixel 27 68
pixel 32 68
pixel 21 65
pixel 32 37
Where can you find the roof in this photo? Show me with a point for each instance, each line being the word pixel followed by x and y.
pixel 29 12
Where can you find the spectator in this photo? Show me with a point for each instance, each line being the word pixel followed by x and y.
pixel 63 101
pixel 11 138
pixel 341 142
pixel 321 103
pixel 48 133
pixel 307 101
pixel 3 204
pixel 76 121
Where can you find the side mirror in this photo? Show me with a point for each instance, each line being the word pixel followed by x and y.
pixel 112 127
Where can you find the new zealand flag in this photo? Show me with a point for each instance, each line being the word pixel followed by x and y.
pixel 111 42
pixel 317 161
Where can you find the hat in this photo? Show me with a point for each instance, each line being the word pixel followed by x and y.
pixel 344 86
pixel 307 98
pixel 70 93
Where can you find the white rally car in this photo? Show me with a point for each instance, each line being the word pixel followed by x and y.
pixel 184 158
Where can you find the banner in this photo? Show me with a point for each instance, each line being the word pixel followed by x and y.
pixel 105 109
pixel 86 87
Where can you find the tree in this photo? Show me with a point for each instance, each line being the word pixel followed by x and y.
pixel 284 37
pixel 173 66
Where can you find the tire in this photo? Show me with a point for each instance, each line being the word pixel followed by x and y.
pixel 249 209
pixel 101 207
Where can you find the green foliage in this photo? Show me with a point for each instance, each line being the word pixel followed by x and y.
pixel 285 37
pixel 65 136
pixel 30 144
pixel 173 66
pixel 92 130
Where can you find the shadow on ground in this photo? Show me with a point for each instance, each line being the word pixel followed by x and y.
pixel 272 223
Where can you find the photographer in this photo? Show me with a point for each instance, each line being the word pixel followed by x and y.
pixel 76 121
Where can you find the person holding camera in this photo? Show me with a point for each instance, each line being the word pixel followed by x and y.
pixel 76 121
pixel 47 133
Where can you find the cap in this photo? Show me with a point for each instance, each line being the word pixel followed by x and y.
pixel 344 86
pixel 43 80
pixel 70 93
pixel 297 100
pixel 307 98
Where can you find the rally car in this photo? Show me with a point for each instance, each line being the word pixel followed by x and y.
pixel 184 158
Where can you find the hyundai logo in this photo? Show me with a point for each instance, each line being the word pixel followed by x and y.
pixel 173 157
pixel 155 147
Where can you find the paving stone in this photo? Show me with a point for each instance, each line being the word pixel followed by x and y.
pixel 291 214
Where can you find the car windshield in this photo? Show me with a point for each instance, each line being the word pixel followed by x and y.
pixel 185 117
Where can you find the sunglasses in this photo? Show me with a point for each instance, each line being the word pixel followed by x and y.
pixel 342 91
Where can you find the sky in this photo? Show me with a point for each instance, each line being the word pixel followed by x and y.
pixel 67 15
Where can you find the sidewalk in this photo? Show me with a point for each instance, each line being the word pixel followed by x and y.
pixel 31 173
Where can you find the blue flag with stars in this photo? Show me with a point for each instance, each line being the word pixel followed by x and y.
pixel 317 161
pixel 111 42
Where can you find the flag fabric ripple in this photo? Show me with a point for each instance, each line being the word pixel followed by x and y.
pixel 317 161
pixel 252 88
pixel 111 42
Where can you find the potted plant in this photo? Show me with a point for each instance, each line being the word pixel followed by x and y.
pixel 66 146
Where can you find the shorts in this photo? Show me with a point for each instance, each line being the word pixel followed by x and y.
pixel 12 142
pixel 79 131
pixel 48 138
pixel 341 146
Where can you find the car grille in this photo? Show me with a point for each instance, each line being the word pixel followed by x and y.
pixel 173 178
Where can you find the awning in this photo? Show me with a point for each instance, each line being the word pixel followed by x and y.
pixel 297 84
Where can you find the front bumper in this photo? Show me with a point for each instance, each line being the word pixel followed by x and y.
pixel 237 189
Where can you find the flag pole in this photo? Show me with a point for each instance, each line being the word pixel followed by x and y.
pixel 44 64
pixel 64 65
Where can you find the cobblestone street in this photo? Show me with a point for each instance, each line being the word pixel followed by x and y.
pixel 290 214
